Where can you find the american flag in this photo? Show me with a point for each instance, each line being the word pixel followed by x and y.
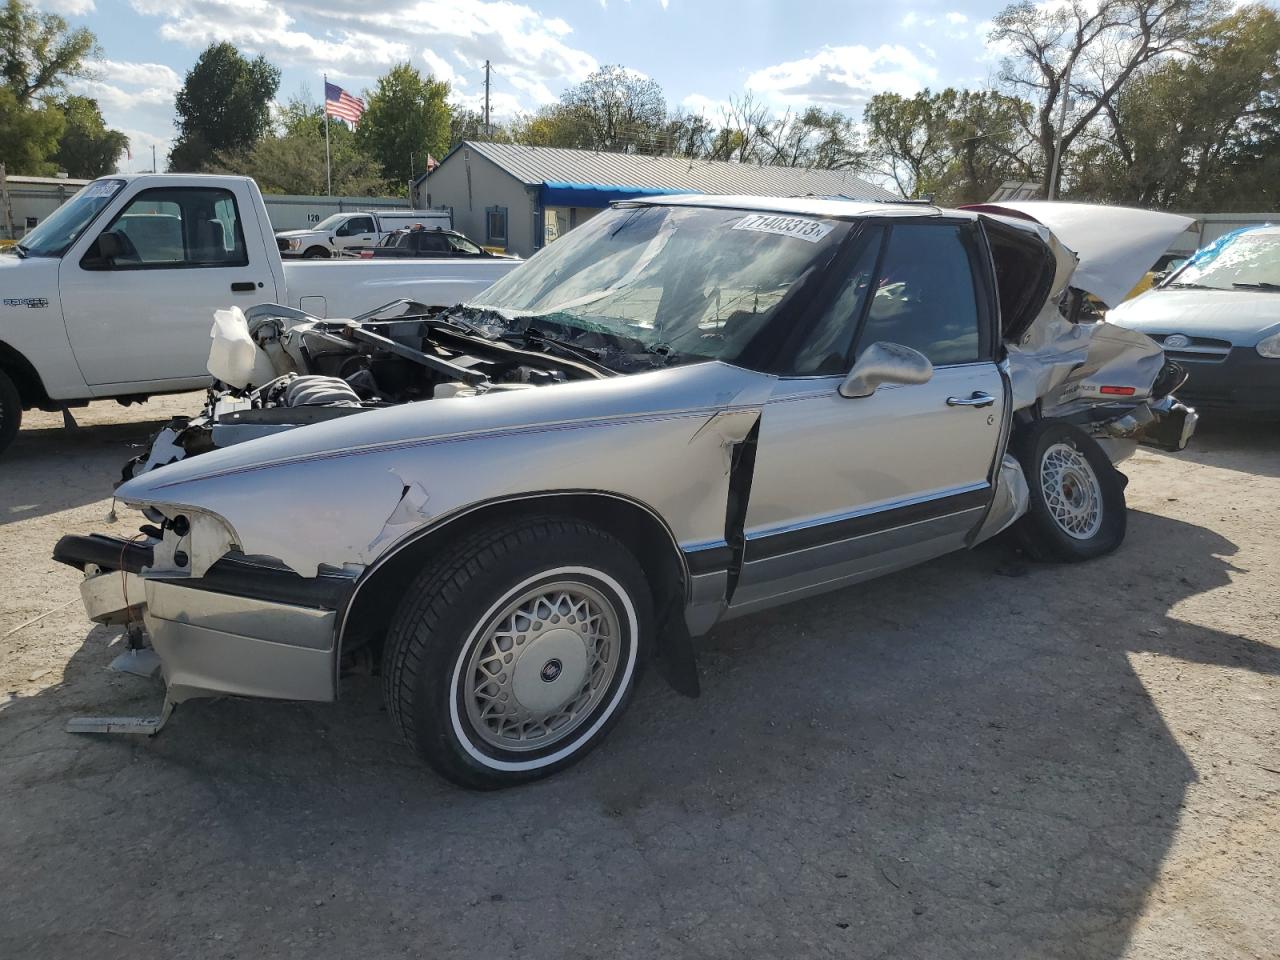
pixel 338 103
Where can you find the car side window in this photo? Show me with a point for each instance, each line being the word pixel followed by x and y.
pixel 464 246
pixel 827 351
pixel 173 227
pixel 356 226
pixel 925 296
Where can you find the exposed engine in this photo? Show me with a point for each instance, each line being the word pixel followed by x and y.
pixel 306 370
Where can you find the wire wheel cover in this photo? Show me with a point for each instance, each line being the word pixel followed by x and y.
pixel 542 666
pixel 1071 491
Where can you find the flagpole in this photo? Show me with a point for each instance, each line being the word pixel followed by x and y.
pixel 328 176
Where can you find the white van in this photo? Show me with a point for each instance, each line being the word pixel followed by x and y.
pixel 359 228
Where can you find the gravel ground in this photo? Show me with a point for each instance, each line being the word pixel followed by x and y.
pixel 976 758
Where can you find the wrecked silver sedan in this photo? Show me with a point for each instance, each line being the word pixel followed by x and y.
pixel 686 410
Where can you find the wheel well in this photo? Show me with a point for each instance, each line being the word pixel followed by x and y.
pixel 24 377
pixel 314 247
pixel 378 596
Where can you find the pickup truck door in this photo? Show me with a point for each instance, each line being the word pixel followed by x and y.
pixel 138 294
pixel 844 489
pixel 356 232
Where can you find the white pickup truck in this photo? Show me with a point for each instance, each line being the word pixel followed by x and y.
pixel 113 294
pixel 342 231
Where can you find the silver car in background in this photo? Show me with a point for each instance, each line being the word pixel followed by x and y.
pixel 686 410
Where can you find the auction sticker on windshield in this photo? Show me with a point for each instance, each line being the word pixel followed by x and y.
pixel 802 228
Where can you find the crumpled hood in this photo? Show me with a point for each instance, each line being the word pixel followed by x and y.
pixel 659 393
pixel 1242 316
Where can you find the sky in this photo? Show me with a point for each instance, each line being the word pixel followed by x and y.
pixel 836 54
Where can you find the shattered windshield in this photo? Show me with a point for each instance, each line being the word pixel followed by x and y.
pixel 1245 261
pixel 685 283
pixel 60 229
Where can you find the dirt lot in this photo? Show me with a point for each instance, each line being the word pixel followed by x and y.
pixel 972 759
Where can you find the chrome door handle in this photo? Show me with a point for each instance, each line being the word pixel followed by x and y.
pixel 975 399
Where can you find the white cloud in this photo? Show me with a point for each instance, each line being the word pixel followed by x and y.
pixel 709 107
pixel 67 8
pixel 120 86
pixel 438 66
pixel 844 77
pixel 914 19
pixel 957 18
pixel 529 52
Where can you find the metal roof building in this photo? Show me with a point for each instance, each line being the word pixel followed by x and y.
pixel 518 197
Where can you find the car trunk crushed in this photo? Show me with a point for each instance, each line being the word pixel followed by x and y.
pixel 253 576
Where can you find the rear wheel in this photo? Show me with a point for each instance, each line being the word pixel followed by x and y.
pixel 1077 505
pixel 10 410
pixel 513 655
pixel 316 253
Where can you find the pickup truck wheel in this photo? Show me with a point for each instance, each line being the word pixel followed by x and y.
pixel 316 253
pixel 1077 509
pixel 10 411
pixel 514 654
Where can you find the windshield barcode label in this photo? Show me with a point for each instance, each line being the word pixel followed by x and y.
pixel 802 228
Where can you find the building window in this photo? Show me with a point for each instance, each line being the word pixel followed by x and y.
pixel 495 226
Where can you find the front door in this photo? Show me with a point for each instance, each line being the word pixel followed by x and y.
pixel 844 489
pixel 144 313
pixel 357 232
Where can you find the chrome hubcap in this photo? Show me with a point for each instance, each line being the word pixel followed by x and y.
pixel 1071 491
pixel 540 667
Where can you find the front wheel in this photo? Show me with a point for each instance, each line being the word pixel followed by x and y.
pixel 1077 507
pixel 316 253
pixel 10 410
pixel 514 654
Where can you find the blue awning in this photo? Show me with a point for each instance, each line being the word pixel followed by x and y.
pixel 565 193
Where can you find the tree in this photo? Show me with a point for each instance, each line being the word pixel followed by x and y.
pixel 958 145
pixel 1201 131
pixel 87 148
pixel 38 54
pixel 30 135
pixel 908 139
pixel 815 138
pixel 555 125
pixel 1098 44
pixel 291 160
pixel 619 109
pixel 988 142
pixel 406 118
pixel 224 106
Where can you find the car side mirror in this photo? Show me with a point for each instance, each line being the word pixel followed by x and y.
pixel 102 253
pixel 885 363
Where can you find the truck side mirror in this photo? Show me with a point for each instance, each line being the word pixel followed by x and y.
pixel 102 253
pixel 885 363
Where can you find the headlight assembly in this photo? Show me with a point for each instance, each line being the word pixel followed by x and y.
pixel 1270 347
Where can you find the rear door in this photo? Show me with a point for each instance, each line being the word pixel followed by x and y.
pixel 844 489
pixel 145 314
